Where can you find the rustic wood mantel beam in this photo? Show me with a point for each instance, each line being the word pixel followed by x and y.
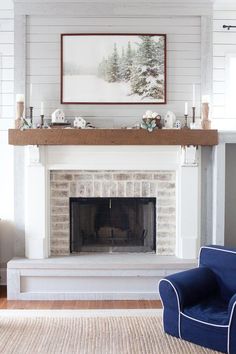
pixel 113 137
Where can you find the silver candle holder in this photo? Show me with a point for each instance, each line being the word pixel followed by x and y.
pixel 194 112
pixel 42 120
pixel 31 116
pixel 185 122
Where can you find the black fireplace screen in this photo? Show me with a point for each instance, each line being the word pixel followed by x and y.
pixel 112 224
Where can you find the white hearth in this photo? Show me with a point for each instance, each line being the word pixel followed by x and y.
pixel 27 278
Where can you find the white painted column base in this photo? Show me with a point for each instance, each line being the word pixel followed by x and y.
pixel 35 204
pixel 188 206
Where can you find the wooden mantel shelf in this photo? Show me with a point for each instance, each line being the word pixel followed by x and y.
pixel 112 137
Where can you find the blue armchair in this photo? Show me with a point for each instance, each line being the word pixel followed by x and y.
pixel 200 304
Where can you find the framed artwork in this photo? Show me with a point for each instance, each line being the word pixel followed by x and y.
pixel 113 68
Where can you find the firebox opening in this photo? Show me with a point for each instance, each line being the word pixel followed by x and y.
pixel 112 225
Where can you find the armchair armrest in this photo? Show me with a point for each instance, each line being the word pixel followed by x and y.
pixel 231 303
pixel 192 286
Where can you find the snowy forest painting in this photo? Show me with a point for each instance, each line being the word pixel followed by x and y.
pixel 117 68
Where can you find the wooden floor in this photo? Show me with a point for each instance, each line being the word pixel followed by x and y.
pixel 124 304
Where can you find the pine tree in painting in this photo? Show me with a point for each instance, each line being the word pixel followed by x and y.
pixel 128 62
pixel 102 69
pixel 147 69
pixel 122 65
pixel 113 66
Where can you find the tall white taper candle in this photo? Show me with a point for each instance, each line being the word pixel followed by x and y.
pixel 194 95
pixel 42 108
pixel 31 95
pixel 186 108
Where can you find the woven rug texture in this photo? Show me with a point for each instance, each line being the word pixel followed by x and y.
pixel 91 335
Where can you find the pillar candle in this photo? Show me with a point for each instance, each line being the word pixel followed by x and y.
pixel 20 97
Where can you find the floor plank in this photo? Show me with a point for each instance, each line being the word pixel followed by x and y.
pixel 83 305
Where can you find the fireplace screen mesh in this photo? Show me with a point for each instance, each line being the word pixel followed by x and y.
pixel 112 224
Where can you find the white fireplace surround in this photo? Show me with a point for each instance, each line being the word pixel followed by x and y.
pixel 92 276
pixel 41 160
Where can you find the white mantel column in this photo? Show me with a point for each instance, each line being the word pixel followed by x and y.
pixel 35 203
pixel 188 211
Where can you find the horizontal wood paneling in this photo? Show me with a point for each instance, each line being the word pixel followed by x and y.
pixel 224 43
pixel 6 64
pixel 183 61
pixel 115 9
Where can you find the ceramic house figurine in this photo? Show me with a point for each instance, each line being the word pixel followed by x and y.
pixel 58 116
pixel 177 124
pixel 169 120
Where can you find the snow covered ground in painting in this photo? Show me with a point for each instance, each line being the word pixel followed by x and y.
pixel 90 88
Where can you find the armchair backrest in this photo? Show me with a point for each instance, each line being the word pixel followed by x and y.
pixel 222 261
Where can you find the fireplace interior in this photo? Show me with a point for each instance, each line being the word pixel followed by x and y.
pixel 112 225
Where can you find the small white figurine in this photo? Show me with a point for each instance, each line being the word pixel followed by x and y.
pixel 150 115
pixel 58 116
pixel 169 120
pixel 79 122
pixel 178 124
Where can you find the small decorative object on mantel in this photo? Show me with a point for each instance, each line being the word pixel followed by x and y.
pixel 206 122
pixel 31 106
pixel 42 115
pixel 185 116
pixel 89 126
pixel 26 124
pixel 149 124
pixel 58 116
pixel 177 124
pixel 20 106
pixel 59 125
pixel 193 123
pixel 169 120
pixel 151 120
pixel 79 122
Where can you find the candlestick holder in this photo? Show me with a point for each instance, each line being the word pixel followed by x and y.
pixel 31 116
pixel 185 122
pixel 42 120
pixel 194 112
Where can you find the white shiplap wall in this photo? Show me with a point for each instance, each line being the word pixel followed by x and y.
pixel 224 43
pixel 6 106
pixel 6 121
pixel 7 62
pixel 183 62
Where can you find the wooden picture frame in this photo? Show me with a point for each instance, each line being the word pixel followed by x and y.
pixel 118 68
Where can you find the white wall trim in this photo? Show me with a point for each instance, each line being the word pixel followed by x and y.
pixel 218 194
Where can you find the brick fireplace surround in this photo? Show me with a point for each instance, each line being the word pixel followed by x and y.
pixel 53 174
pixel 158 184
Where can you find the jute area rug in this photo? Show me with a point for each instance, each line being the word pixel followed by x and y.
pixel 88 332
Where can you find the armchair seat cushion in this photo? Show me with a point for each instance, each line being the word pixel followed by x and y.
pixel 213 310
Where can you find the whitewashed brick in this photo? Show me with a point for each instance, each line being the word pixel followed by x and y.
pixel 158 184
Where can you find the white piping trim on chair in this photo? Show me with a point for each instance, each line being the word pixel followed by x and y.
pixel 161 303
pixel 231 315
pixel 178 302
pixel 209 324
pixel 229 329
pixel 212 248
